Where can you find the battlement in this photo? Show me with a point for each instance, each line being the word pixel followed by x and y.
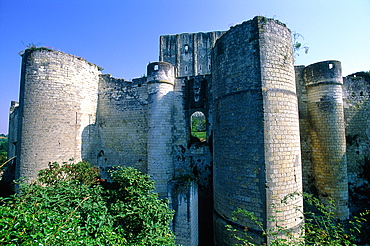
pixel 161 72
pixel 323 72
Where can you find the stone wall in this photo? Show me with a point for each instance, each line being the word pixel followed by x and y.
pixel 304 129
pixel 58 102
pixel 180 130
pixel 122 124
pixel 13 129
pixel 190 53
pixel 356 96
pixel 192 158
pixel 183 197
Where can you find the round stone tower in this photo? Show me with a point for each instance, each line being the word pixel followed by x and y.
pixel 58 100
pixel 323 81
pixel 161 77
pixel 257 159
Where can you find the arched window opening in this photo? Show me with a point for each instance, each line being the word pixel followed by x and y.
pixel 198 127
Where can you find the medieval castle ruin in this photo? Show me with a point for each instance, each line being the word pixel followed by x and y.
pixel 272 128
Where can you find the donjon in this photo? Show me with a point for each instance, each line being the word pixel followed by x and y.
pixel 271 128
pixel 255 90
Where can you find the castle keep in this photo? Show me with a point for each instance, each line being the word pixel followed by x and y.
pixel 271 128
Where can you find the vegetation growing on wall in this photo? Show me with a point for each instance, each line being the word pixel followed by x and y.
pixel 359 75
pixel 32 47
pixel 3 148
pixel 70 205
pixel 297 45
pixel 320 226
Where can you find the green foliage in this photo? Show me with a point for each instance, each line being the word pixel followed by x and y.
pixel 82 172
pixel 364 74
pixel 242 236
pixel 297 45
pixel 198 126
pixel 138 210
pixel 278 236
pixel 32 47
pixel 3 148
pixel 200 135
pixel 185 180
pixel 323 228
pixel 320 226
pixel 70 205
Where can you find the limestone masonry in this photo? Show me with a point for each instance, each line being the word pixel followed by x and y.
pixel 272 129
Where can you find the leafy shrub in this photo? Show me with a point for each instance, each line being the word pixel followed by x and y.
pixel 3 149
pixel 323 228
pixel 320 227
pixel 70 205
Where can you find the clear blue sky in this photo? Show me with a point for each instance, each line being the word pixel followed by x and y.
pixel 122 35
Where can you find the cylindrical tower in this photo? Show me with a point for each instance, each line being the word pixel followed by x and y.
pixel 281 127
pixel 256 130
pixel 58 99
pixel 324 82
pixel 161 77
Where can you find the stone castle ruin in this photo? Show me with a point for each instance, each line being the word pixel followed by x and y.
pixel 272 128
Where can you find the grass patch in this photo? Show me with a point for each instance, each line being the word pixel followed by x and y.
pixel 201 135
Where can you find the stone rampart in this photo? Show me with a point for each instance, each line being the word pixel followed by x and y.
pixel 356 97
pixel 122 124
pixel 183 197
pixel 13 129
pixel 304 129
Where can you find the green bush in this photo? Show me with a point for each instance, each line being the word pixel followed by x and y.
pixel 70 205
pixel 320 227
pixel 3 149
